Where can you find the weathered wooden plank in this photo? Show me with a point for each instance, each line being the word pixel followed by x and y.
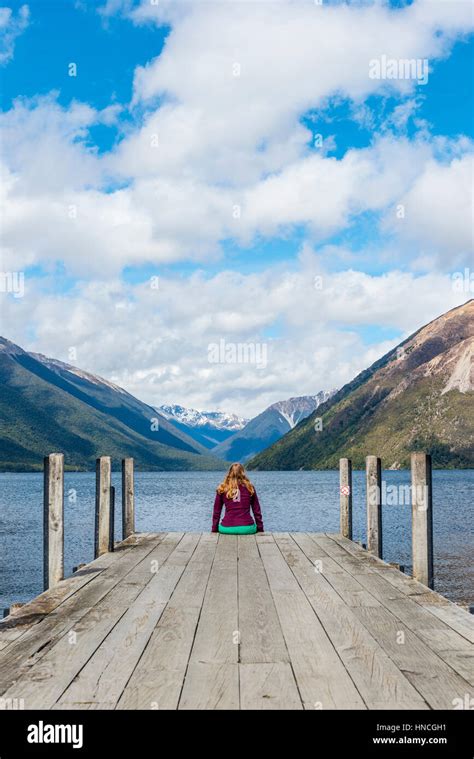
pixel 217 638
pixel 42 683
pixel 270 621
pixel 157 680
pixel 341 568
pixel 459 659
pixel 12 628
pixel 435 680
pixel 102 681
pixel 451 614
pixel 264 537
pixel 366 562
pixel 461 663
pixel 350 589
pixel 261 637
pixel 211 685
pixel 216 645
pixel 268 686
pixel 363 562
pixel 322 679
pixel 378 680
pixel 323 562
pixel 446 642
pixel 40 638
pixel 332 548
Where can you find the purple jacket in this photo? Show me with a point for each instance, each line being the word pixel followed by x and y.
pixel 237 512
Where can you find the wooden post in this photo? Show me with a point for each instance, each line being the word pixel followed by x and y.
pixel 112 519
pixel 422 518
pixel 53 520
pixel 102 505
pixel 128 499
pixel 374 504
pixel 345 500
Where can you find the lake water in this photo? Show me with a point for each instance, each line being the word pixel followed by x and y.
pixel 291 501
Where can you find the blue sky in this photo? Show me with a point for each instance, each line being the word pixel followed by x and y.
pixel 60 32
pixel 304 209
pixel 108 52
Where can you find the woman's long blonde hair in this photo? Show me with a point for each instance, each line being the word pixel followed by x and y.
pixel 235 476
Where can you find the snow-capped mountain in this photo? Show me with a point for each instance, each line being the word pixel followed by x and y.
pixel 295 409
pixel 48 405
pixel 269 426
pixel 206 427
pixel 194 418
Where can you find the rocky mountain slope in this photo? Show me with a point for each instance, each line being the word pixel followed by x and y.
pixel 47 405
pixel 268 427
pixel 419 396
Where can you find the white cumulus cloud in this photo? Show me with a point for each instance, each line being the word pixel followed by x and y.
pixel 11 26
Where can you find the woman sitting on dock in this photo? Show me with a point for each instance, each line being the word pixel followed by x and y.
pixel 239 496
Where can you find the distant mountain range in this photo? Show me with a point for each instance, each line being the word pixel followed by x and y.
pixel 419 396
pixel 206 427
pixel 47 405
pixel 268 427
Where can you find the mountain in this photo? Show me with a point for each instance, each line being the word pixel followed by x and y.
pixel 419 396
pixel 268 427
pixel 209 428
pixel 47 405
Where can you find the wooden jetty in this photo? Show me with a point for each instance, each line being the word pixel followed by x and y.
pixel 208 621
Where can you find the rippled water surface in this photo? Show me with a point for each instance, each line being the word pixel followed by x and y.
pixel 291 501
